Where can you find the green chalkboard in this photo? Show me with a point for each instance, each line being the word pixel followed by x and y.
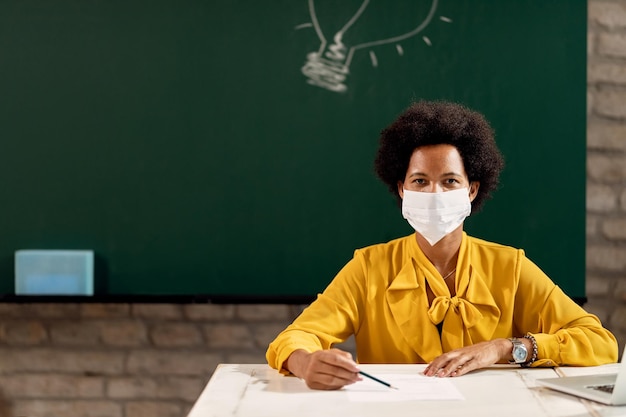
pixel 201 147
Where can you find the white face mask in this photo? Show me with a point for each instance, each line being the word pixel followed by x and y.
pixel 434 215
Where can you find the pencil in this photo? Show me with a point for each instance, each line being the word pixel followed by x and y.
pixel 377 380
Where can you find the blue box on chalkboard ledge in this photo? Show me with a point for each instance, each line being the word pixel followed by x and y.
pixel 54 272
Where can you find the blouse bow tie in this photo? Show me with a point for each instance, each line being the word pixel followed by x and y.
pixel 454 307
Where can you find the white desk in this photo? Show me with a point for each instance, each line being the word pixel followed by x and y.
pixel 500 391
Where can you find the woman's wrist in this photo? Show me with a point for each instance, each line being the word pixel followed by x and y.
pixel 506 348
pixel 295 362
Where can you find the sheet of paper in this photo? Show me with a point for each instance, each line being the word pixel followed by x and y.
pixel 410 388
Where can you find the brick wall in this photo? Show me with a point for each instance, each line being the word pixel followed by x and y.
pixel 152 360
pixel 122 360
pixel 606 164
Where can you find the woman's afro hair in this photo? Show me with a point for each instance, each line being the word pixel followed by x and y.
pixel 434 123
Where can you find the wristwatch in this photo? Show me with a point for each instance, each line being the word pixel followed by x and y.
pixel 519 352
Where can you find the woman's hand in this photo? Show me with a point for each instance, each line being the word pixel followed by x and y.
pixel 461 361
pixel 324 369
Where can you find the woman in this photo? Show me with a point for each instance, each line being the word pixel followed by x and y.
pixel 439 296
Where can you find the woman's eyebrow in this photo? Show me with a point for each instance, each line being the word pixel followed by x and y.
pixel 416 173
pixel 445 174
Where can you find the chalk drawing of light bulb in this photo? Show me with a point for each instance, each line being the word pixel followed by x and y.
pixel 368 24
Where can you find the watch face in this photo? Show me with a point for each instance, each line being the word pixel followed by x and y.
pixel 519 353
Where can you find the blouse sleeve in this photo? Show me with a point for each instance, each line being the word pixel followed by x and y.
pixel 329 320
pixel 565 333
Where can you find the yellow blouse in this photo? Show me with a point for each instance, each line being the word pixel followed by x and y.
pixel 380 297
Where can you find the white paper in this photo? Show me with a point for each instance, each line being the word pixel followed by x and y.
pixel 410 388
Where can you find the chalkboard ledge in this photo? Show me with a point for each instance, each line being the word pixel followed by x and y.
pixel 175 299
pixel 161 299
